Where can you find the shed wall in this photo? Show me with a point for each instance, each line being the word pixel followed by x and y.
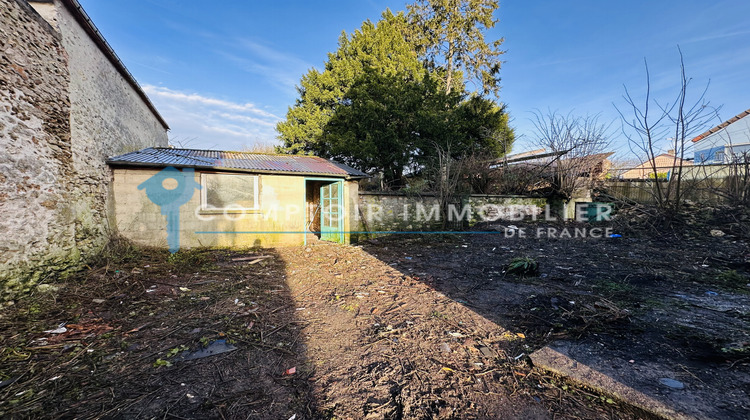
pixel 282 209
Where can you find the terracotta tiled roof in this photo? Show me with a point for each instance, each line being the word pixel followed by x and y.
pixel 722 125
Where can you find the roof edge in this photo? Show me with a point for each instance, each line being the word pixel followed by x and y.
pixel 721 126
pixel 93 32
pixel 127 164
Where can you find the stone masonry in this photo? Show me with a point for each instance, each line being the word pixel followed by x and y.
pixel 64 108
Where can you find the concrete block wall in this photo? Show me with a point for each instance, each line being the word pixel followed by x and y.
pixel 389 212
pixel 282 209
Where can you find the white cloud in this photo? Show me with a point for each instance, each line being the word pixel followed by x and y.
pixel 195 98
pixel 201 121
pixel 281 69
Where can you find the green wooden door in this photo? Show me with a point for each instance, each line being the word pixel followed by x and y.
pixel 330 212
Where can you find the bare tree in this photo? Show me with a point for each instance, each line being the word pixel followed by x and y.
pixel 674 123
pixel 445 176
pixel 737 188
pixel 258 147
pixel 575 141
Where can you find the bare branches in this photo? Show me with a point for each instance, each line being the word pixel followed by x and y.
pixel 578 141
pixel 647 134
pixel 445 175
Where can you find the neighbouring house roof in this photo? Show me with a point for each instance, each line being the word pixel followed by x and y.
pixel 725 124
pixel 161 157
pixel 525 156
pixel 590 161
pixel 88 26
pixel 664 161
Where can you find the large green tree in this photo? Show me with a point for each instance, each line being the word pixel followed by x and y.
pixel 451 36
pixel 390 124
pixel 377 106
pixel 375 48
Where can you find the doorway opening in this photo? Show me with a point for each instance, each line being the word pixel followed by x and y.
pixel 324 209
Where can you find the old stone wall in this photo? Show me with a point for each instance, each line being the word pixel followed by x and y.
pixel 64 108
pixel 393 212
pixel 36 158
pixel 107 118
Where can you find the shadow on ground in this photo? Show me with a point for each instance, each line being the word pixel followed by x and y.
pixel 123 327
pixel 400 327
pixel 667 317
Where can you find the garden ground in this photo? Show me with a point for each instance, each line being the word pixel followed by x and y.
pixel 398 327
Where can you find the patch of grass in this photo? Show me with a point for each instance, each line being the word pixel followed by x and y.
pixel 118 251
pixel 610 287
pixel 732 280
pixel 191 260
pixel 523 267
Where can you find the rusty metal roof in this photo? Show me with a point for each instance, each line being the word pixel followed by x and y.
pixel 235 161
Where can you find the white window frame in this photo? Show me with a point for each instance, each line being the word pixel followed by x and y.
pixel 204 195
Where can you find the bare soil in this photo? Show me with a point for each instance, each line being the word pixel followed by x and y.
pixel 399 327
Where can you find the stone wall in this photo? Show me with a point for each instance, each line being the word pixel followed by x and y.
pixel 393 212
pixel 63 110
pixel 36 163
pixel 107 118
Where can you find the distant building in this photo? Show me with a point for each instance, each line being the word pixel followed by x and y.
pixel 725 142
pixel 665 164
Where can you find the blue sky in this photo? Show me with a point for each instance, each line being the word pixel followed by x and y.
pixel 223 73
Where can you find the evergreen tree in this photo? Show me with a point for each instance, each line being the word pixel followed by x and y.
pixel 377 107
pixel 450 34
pixel 374 49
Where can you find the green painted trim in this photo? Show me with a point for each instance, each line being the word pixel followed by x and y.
pixel 342 205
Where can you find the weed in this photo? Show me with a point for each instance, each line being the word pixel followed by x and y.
pixel 118 251
pixel 191 260
pixel 174 351
pixel 437 314
pixel 350 307
pixel 733 280
pixel 170 353
pixel 523 267
pixel 161 362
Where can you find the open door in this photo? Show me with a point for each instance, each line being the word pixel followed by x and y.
pixel 324 215
pixel 330 212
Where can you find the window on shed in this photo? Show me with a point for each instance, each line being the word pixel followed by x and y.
pixel 229 192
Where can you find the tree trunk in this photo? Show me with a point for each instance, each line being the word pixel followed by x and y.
pixel 449 69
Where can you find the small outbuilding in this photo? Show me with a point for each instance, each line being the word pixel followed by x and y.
pixel 190 198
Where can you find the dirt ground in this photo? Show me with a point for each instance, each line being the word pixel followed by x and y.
pixel 397 327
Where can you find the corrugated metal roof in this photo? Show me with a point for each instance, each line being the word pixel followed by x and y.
pixel 242 161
